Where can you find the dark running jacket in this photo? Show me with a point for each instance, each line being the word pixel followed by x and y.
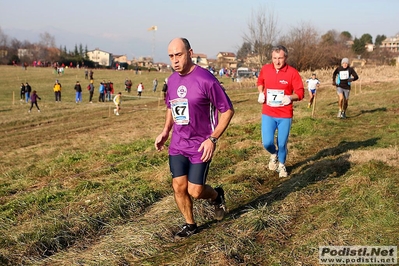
pixel 342 77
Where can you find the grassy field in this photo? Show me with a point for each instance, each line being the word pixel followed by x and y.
pixel 80 186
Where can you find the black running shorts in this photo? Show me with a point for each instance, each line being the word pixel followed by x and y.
pixel 180 166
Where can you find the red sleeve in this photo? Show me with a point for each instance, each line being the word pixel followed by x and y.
pixel 261 78
pixel 298 86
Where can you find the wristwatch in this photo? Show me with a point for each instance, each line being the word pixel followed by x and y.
pixel 213 139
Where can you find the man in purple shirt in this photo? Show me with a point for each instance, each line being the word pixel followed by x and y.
pixel 193 100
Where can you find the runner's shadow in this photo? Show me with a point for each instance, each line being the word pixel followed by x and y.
pixel 342 147
pixel 314 169
pixel 383 109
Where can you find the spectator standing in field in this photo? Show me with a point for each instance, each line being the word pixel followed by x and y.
pixel 86 74
pixel 140 89
pixel 57 91
pixel 278 84
pixel 117 102
pixel 91 74
pixel 221 72
pixel 107 91
pixel 128 85
pixel 101 90
pixel 28 90
pixel 22 92
pixel 91 91
pixel 343 76
pixel 165 88
pixel 78 92
pixel 154 85
pixel 33 101
pixel 193 100
pixel 111 89
pixel 313 84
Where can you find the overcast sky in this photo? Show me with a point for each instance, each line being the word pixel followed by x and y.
pixel 121 26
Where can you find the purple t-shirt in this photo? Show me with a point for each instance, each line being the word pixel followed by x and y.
pixel 195 100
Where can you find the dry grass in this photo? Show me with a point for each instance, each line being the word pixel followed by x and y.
pixel 390 156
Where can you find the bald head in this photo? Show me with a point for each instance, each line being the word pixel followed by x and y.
pixel 180 53
pixel 185 42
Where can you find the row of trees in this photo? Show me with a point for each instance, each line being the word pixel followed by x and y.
pixel 45 51
pixel 307 48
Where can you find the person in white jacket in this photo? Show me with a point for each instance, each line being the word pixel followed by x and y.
pixel 117 102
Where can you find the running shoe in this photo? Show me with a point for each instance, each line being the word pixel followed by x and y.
pixel 187 230
pixel 339 114
pixel 282 171
pixel 273 162
pixel 343 115
pixel 220 204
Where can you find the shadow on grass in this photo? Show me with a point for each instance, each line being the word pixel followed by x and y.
pixel 382 109
pixel 316 168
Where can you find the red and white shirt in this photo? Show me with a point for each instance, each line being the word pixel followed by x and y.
pixel 276 84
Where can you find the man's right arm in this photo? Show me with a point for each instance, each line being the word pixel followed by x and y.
pixel 334 77
pixel 163 137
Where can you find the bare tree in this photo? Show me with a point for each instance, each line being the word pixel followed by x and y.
pixel 303 45
pixel 335 46
pixel 46 43
pixel 3 46
pixel 3 39
pixel 262 33
pixel 47 40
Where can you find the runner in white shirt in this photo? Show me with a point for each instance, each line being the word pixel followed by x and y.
pixel 313 84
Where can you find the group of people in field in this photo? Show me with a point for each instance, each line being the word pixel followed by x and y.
pixel 140 87
pixel 105 89
pixel 28 95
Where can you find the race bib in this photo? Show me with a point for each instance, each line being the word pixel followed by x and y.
pixel 344 74
pixel 180 111
pixel 274 97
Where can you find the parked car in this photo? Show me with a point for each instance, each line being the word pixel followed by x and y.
pixel 244 73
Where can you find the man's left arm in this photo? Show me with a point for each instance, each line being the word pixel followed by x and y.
pixel 298 90
pixel 224 121
pixel 208 147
